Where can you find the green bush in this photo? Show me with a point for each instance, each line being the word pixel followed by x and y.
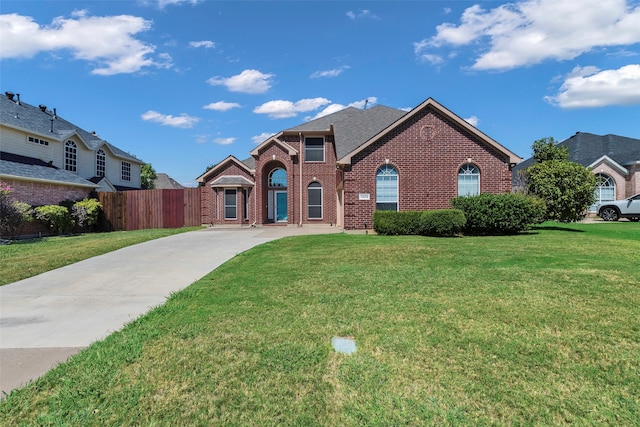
pixel 13 214
pixel 56 218
pixel 85 212
pixel 497 214
pixel 443 222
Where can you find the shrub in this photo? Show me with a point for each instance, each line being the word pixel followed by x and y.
pixel 444 222
pixel 500 213
pixel 13 214
pixel 85 212
pixel 57 218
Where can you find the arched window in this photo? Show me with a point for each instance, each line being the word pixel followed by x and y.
pixel 387 188
pixel 605 190
pixel 314 200
pixel 70 156
pixel 278 178
pixel 101 163
pixel 469 180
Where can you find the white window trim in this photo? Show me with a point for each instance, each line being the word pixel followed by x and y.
pixel 321 205
pixel 324 154
pixel 235 205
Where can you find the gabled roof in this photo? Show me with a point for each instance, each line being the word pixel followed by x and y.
pixel 586 148
pixel 32 169
pixel 164 181
pixel 44 123
pixel 215 168
pixel 429 103
pixel 232 181
pixel 351 126
pixel 274 140
pixel 611 163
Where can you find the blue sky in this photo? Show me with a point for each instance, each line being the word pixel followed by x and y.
pixel 182 84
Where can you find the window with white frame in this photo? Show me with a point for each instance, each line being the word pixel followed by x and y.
pixel 230 204
pixel 278 178
pixel 70 156
pixel 126 171
pixel 314 201
pixel 387 188
pixel 605 190
pixel 469 180
pixel 38 141
pixel 314 149
pixel 101 163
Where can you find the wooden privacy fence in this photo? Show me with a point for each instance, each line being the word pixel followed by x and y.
pixel 142 209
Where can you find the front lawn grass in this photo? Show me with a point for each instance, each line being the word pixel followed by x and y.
pixel 25 258
pixel 536 329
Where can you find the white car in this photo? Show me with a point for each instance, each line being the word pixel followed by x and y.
pixel 614 210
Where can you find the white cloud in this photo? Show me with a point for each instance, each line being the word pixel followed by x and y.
pixel 221 106
pixel 473 121
pixel 207 44
pixel 362 14
pixel 224 141
pixel 248 81
pixel 164 3
pixel 330 73
pixel 107 42
pixel 280 109
pixel 181 121
pixel 529 32
pixel 201 139
pixel 258 139
pixel 592 87
pixel 334 108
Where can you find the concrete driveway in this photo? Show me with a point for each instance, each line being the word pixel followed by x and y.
pixel 47 318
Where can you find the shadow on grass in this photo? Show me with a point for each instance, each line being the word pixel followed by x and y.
pixel 554 228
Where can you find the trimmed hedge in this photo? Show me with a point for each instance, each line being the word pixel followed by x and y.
pixel 496 214
pixel 441 222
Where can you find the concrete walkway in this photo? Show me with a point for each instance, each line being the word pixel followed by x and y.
pixel 47 318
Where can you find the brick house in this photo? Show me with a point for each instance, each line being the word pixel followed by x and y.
pixel 340 168
pixel 615 160
pixel 46 159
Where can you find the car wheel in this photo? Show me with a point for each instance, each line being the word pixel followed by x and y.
pixel 609 214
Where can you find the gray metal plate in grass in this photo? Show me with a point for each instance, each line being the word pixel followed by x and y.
pixel 343 345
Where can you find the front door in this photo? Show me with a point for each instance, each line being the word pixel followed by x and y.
pixel 281 206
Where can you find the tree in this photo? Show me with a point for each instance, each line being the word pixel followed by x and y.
pixel 148 177
pixel 568 188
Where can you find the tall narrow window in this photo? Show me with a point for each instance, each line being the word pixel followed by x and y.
pixel 230 204
pixel 246 204
pixel 469 180
pixel 101 163
pixel 314 200
pixel 605 190
pixel 314 149
pixel 126 171
pixel 387 188
pixel 70 156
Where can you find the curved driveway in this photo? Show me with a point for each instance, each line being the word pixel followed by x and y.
pixel 49 317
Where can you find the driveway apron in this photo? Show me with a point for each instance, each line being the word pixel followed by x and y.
pixel 49 317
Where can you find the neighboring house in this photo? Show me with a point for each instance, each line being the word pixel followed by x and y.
pixel 165 182
pixel 46 159
pixel 615 160
pixel 340 168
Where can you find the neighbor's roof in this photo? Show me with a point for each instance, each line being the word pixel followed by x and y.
pixel 586 148
pixel 28 118
pixel 32 169
pixel 164 181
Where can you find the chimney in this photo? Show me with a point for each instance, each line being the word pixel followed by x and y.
pixel 9 95
pixel 18 95
pixel 42 107
pixel 55 113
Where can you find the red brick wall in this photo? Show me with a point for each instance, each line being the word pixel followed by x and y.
pixel 212 200
pixel 427 151
pixel 37 194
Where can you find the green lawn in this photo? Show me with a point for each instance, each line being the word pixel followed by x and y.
pixel 26 258
pixel 536 329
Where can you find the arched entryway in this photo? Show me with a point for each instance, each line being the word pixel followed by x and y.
pixel 277 198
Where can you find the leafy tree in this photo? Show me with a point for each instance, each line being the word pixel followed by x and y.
pixel 548 149
pixel 148 176
pixel 568 188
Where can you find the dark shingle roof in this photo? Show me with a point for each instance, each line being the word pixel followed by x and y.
pixel 33 119
pixel 352 126
pixel 585 148
pixel 14 165
pixel 249 162
pixel 164 181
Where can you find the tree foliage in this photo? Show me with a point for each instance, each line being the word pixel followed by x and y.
pixel 147 177
pixel 13 214
pixel 568 188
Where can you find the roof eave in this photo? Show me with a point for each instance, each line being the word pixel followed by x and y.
pixel 202 178
pixel 49 181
